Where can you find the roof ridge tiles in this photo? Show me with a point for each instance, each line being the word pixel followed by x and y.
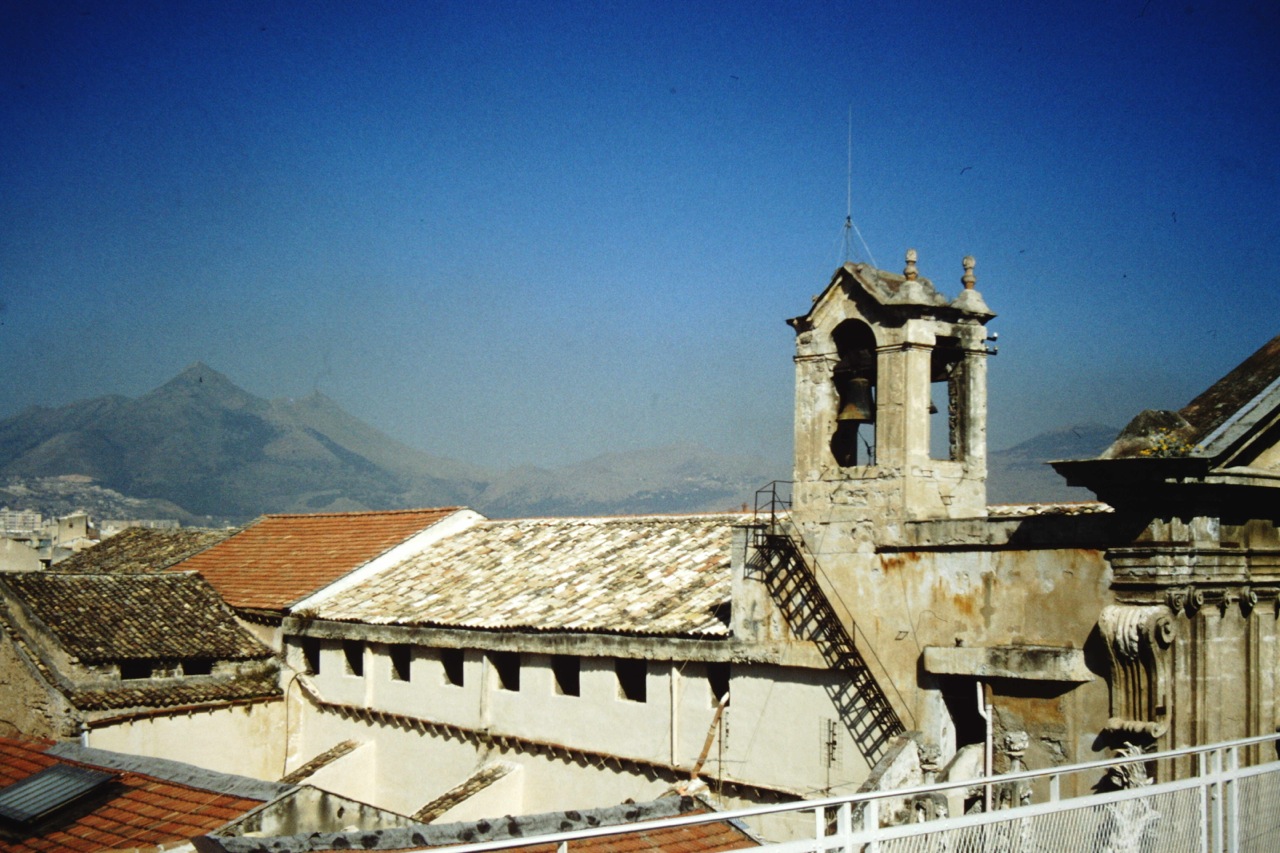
pixel 723 514
pixel 167 770
pixel 362 512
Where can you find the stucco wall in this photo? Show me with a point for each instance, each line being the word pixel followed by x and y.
pixel 248 740
pixel 28 706
pixel 781 729
pixel 898 603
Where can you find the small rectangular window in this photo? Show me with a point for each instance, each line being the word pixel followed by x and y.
pixel 400 660
pixel 135 669
pixel 452 661
pixel 633 679
pixel 353 650
pixel 197 666
pixel 507 667
pixel 567 669
pixel 311 655
pixel 718 681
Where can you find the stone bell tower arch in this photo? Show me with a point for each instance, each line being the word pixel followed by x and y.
pixel 883 361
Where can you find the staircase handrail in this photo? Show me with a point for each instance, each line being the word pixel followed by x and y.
pixel 776 506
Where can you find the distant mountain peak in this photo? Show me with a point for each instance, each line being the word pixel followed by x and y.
pixel 202 443
pixel 202 381
pixel 199 373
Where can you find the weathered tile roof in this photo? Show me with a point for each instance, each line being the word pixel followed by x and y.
pixel 141 549
pixel 632 837
pixel 1230 393
pixel 177 693
pixel 665 575
pixel 100 618
pixel 139 811
pixel 280 559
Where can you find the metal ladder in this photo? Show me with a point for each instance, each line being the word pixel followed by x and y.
pixel 791 579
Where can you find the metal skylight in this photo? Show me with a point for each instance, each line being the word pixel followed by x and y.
pixel 39 795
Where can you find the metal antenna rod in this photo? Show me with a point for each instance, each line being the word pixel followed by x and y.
pixel 850 227
pixel 848 204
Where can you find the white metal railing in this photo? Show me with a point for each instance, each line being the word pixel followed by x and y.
pixel 1229 801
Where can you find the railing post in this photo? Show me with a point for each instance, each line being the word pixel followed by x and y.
pixel 1215 767
pixel 1202 770
pixel 870 823
pixel 844 826
pixel 1233 800
pixel 819 829
pixel 1055 787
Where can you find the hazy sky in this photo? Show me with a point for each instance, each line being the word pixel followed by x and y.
pixel 535 232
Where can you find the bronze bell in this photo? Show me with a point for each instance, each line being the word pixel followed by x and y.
pixel 855 401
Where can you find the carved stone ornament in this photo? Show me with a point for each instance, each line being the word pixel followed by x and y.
pixel 1248 600
pixel 1138 639
pixel 1015 744
pixel 1185 599
pixel 1195 600
pixel 1127 629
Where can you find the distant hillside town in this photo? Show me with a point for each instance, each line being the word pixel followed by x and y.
pixel 30 541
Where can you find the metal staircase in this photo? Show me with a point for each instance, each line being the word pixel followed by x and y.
pixel 790 575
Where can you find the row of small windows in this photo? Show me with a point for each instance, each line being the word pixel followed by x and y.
pixel 131 670
pixel 633 675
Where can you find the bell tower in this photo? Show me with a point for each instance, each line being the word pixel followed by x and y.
pixel 891 401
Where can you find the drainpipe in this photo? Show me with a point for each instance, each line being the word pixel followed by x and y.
pixel 984 710
pixel 675 714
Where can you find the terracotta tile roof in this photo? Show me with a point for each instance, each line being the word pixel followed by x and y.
pixel 141 549
pixel 664 575
pixel 280 559
pixel 177 693
pixel 478 781
pixel 100 618
pixel 136 810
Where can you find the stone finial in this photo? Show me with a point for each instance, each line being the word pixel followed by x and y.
pixel 969 279
pixel 911 272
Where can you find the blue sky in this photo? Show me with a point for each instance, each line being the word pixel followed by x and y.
pixel 530 233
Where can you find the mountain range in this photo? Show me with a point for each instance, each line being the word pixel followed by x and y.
pixel 203 450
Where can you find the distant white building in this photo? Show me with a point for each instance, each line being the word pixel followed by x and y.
pixel 20 521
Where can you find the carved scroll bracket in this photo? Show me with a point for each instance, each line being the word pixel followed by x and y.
pixel 1138 640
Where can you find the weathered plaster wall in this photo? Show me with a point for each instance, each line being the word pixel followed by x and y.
pixel 18 555
pixel 248 740
pixel 28 705
pixel 309 809
pixel 780 730
pixel 900 602
pixel 494 799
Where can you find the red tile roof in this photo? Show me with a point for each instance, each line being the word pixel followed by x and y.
pixel 139 811
pixel 281 559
